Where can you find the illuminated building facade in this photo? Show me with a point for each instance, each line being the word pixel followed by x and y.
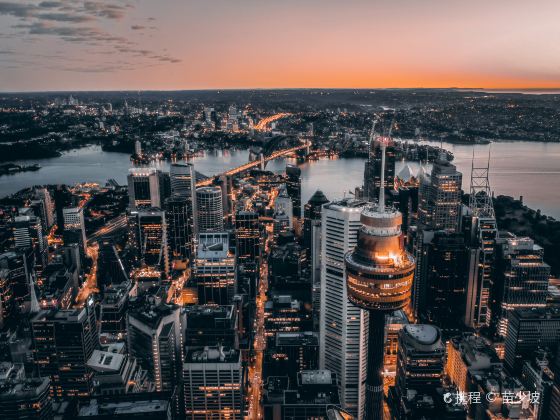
pixel 523 280
pixel 342 326
pixel 149 237
pixel 214 269
pixel 75 228
pixel 64 341
pixel 179 231
pixel 293 188
pixel 209 209
pixel 143 187
pixel 183 184
pixel 213 384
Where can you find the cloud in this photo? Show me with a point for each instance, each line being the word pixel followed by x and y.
pixel 50 4
pixel 17 9
pixel 64 17
pixel 137 27
pixel 106 10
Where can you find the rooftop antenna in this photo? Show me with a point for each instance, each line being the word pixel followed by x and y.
pixel 480 200
pixel 383 141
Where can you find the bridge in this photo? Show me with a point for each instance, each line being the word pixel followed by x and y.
pixel 259 162
pixel 262 125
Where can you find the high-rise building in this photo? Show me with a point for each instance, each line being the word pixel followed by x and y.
pixel 64 340
pixel 28 233
pixel 293 188
pixel 48 207
pixel 214 269
pixel 283 204
pixel 144 187
pixel 112 310
pixel 439 198
pixel 183 184
pixel 247 237
pixel 312 244
pixel 110 268
pixel 372 170
pixel 209 209
pixel 441 279
pixel 149 237
pixel 379 274
pixel 62 199
pixel 7 303
pixel 420 365
pixel 343 326
pixel 213 384
pixel 527 330
pixel 481 231
pixel 75 228
pixel 554 407
pixel 154 339
pixel 522 277
pixel 211 325
pixel 24 398
pixel 179 227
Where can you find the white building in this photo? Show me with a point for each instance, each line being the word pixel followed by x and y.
pixel 75 227
pixel 343 326
pixel 210 209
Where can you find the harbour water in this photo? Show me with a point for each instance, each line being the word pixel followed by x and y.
pixel 530 169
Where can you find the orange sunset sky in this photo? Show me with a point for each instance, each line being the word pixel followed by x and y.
pixel 216 44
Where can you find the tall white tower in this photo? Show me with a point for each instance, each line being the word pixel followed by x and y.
pixel 343 326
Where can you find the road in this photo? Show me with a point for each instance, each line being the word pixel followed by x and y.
pixel 113 225
pixel 90 283
pixel 259 345
pixel 262 125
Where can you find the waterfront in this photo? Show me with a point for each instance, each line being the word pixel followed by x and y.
pixel 530 169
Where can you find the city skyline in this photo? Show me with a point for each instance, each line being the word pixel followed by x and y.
pixel 137 45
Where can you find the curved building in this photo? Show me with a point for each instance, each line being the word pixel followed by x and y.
pixel 379 274
pixel 210 210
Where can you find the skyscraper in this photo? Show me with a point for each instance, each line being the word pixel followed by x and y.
pixel 153 333
pixel 342 325
pixel 481 231
pixel 283 204
pixel 439 198
pixel 64 340
pixel 75 228
pixel 209 209
pixel 372 171
pixel 214 269
pixel 379 275
pixel 143 188
pixel 183 184
pixel 48 207
pixel 179 227
pixel 247 237
pixel 149 237
pixel 523 277
pixel 213 384
pixel 293 188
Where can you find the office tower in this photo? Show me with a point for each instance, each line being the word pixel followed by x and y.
pixel 28 233
pixel 527 330
pixel 420 364
pixel 469 355
pixel 75 228
pixel 114 372
pixel 287 268
pixel 143 406
pixel 7 306
pixel 154 339
pixel 209 209
pixel 289 353
pixel 144 187
pixel 283 204
pixel 149 237
pixel 293 188
pixel 213 384
pixel 214 269
pixel 372 170
pixel 62 199
pixel 379 275
pixel 522 277
pixel 19 266
pixel 247 237
pixel 439 198
pixel 48 207
pixel 312 243
pixel 110 268
pixel 225 183
pixel 441 279
pixel 285 313
pixel 183 184
pixel 211 325
pixel 112 310
pixel 24 398
pixel 310 396
pixel 64 341
pixel 481 232
pixel 343 326
pixel 179 231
